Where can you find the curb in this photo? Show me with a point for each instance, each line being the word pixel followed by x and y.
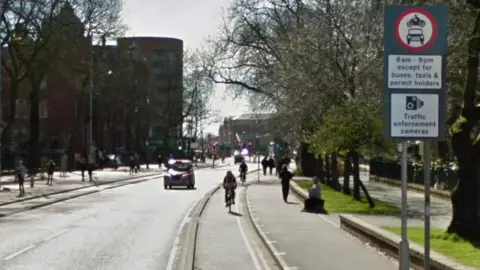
pixel 40 205
pixel 271 249
pixel 78 188
pixel 298 191
pixel 187 257
pixel 390 243
pixel 445 195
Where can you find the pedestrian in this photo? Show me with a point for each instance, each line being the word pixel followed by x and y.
pixel 131 165
pixel 271 164
pixel 63 165
pixel 83 167
pixel 160 161
pixel 314 202
pixel 285 176
pixel 50 171
pixel 20 173
pixel 90 167
pixel 136 158
pixel 264 165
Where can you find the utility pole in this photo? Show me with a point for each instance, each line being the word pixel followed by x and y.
pixel 90 117
pixel 1 92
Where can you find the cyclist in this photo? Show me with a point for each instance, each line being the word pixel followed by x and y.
pixel 243 170
pixel 229 184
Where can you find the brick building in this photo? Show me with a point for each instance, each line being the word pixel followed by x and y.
pixel 247 128
pixel 164 62
pixel 64 98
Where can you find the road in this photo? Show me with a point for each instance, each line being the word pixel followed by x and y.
pixel 131 227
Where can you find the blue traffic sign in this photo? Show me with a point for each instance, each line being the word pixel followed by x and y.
pixel 415 50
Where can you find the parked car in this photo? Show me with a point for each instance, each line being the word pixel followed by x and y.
pixel 180 173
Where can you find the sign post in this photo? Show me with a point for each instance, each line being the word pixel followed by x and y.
pixel 414 93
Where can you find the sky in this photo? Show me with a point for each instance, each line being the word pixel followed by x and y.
pixel 190 20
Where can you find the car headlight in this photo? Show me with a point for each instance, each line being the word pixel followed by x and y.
pixel 185 176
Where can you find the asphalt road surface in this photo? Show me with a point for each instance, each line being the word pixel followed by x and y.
pixel 131 227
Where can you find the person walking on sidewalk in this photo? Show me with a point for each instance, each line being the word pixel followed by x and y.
pixel 131 165
pixel 20 173
pixel 50 171
pixel 285 176
pixel 271 164
pixel 264 165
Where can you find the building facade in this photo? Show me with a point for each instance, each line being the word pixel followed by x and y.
pixel 64 96
pixel 253 129
pixel 164 62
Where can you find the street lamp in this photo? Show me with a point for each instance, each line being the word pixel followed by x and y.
pixel 90 116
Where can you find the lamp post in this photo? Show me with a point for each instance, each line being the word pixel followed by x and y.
pixel 90 115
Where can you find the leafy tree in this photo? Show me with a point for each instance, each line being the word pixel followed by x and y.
pixel 466 144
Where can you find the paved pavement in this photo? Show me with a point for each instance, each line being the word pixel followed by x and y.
pixel 72 181
pixel 441 210
pixel 228 240
pixel 308 241
pixel 131 227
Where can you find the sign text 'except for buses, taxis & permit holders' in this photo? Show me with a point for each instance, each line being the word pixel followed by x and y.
pixel 414 72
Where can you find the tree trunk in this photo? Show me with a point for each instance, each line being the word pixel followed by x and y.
pixel 307 161
pixel 328 170
pixel 357 183
pixel 34 157
pixel 10 120
pixel 335 174
pixel 320 168
pixel 465 196
pixel 356 175
pixel 346 174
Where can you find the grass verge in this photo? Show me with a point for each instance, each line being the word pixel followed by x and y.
pixel 337 202
pixel 450 245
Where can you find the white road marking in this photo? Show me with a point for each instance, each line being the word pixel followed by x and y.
pixel 329 221
pixel 272 241
pixel 18 253
pixel 55 235
pixel 245 239
pixel 280 260
pixel 34 245
pixel 280 253
pixel 176 242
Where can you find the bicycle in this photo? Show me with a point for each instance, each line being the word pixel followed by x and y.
pixel 243 178
pixel 230 199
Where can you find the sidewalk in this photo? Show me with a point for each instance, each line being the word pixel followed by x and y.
pixel 72 181
pixel 440 209
pixel 304 240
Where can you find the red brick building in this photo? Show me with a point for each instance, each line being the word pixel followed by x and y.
pixel 64 98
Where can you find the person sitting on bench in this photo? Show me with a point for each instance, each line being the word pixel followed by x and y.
pixel 314 202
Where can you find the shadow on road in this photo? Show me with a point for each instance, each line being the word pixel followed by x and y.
pixel 182 188
pixel 293 203
pixel 235 214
